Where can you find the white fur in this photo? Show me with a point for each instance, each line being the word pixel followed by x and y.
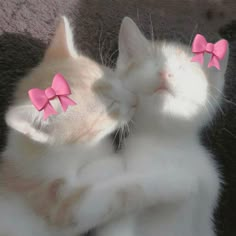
pixel 164 166
pixel 176 178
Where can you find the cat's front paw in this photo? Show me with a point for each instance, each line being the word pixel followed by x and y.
pixel 102 204
pixel 62 215
pixel 45 198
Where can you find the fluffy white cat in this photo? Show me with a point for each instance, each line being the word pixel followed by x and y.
pixel 174 173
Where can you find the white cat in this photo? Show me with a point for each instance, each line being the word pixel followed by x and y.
pixel 43 171
pixel 174 173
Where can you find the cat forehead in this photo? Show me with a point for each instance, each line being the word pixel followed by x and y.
pixel 177 58
pixel 174 50
pixel 75 71
pixel 177 55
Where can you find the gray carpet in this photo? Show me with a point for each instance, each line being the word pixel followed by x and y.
pixel 26 27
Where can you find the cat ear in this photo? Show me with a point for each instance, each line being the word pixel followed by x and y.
pixel 132 43
pixel 62 45
pixel 27 120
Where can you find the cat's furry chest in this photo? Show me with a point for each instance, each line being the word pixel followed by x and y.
pixel 151 149
pixel 147 153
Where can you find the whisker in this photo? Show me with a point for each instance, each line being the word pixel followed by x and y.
pixel 123 136
pixel 99 45
pixel 119 140
pixel 114 139
pixel 110 57
pixel 233 103
pixel 128 127
pixel 233 135
pixel 128 132
pixel 139 22
pixel 212 107
pixel 218 104
pixel 222 94
pixel 132 122
pixel 102 53
pixel 209 113
pixel 194 30
pixel 106 55
pixel 138 15
pixel 152 31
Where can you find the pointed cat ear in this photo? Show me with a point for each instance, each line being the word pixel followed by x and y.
pixel 132 43
pixel 62 45
pixel 27 120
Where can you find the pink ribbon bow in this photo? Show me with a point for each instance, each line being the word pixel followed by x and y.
pixel 201 46
pixel 41 98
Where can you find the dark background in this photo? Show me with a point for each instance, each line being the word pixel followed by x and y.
pixel 26 27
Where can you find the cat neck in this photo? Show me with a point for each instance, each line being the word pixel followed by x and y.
pixel 166 128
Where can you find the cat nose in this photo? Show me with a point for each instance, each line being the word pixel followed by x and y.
pixel 164 75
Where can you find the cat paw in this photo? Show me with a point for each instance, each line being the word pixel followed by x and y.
pixel 62 215
pixel 45 197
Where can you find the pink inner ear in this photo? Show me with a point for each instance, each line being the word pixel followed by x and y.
pixel 61 45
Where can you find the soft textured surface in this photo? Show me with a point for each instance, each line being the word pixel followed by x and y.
pixel 26 27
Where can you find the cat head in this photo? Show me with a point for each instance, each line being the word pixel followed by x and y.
pixel 101 104
pixel 171 87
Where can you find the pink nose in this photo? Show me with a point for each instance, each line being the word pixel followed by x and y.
pixel 164 75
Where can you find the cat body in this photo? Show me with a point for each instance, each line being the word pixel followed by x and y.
pixel 43 171
pixel 187 186
pixel 177 175
pixel 80 184
pixel 180 182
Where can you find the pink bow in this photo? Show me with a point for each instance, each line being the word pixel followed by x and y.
pixel 201 46
pixel 41 98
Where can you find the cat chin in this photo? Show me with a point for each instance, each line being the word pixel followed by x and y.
pixel 166 110
pixel 160 100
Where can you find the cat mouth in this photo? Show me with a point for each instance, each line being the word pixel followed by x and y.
pixel 163 89
pixel 160 89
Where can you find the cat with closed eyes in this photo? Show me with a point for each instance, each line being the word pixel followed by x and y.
pixel 43 171
pixel 176 178
pixel 64 153
pixel 55 171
